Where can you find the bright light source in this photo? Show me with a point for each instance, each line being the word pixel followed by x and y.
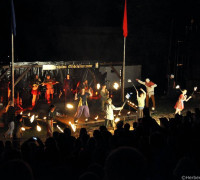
pixel 96 117
pixel 60 129
pixel 23 128
pixel 96 93
pixel 32 118
pixel 69 106
pixel 98 86
pixel 129 112
pixel 45 117
pixel 29 114
pixel 72 126
pixel 36 116
pixel 38 128
pixel 117 119
pixel 129 80
pixel 115 85
pixel 195 88
pixel 21 112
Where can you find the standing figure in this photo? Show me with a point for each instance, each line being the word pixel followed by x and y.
pixel 67 88
pixel 82 105
pixel 179 106
pixel 35 89
pixel 150 91
pixel 109 113
pixel 171 86
pixel 48 82
pixel 17 133
pixel 50 118
pixel 10 118
pixel 104 96
pixel 141 102
pixel 85 85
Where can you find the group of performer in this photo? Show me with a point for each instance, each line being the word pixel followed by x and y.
pixel 83 92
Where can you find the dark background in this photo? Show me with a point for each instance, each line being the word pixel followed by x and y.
pixel 161 34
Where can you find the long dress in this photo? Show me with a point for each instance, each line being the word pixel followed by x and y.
pixel 179 104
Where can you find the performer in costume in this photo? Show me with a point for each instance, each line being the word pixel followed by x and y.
pixel 104 96
pixel 50 119
pixel 179 106
pixel 49 88
pixel 35 89
pixel 150 91
pixel 109 113
pixel 67 88
pixel 82 105
pixel 141 102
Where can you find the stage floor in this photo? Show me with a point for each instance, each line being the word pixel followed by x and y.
pixel 164 108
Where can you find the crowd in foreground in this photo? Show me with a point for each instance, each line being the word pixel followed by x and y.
pixel 149 152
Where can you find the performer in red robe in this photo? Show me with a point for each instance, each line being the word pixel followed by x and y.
pixel 179 106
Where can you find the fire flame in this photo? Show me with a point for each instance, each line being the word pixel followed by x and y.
pixel 117 119
pixel 32 118
pixel 69 106
pixel 38 128
pixel 23 128
pixel 72 126
pixel 60 128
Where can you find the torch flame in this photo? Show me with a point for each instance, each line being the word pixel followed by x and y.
pixel 177 87
pixel 38 128
pixel 117 120
pixel 98 86
pixel 60 128
pixel 23 128
pixel 96 117
pixel 115 85
pixel 72 126
pixel 69 106
pixel 32 118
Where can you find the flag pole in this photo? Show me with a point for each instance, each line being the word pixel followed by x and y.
pixel 123 70
pixel 13 33
pixel 125 33
pixel 13 69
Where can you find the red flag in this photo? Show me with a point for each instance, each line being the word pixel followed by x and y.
pixel 125 25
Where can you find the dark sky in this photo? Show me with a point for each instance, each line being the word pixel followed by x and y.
pixel 92 30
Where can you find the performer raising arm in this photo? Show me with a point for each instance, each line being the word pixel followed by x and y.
pixel 180 103
pixel 150 91
pixel 82 105
pixel 141 102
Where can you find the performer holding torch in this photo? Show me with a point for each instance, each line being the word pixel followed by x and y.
pixel 141 102
pixel 109 113
pixel 150 91
pixel 179 106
